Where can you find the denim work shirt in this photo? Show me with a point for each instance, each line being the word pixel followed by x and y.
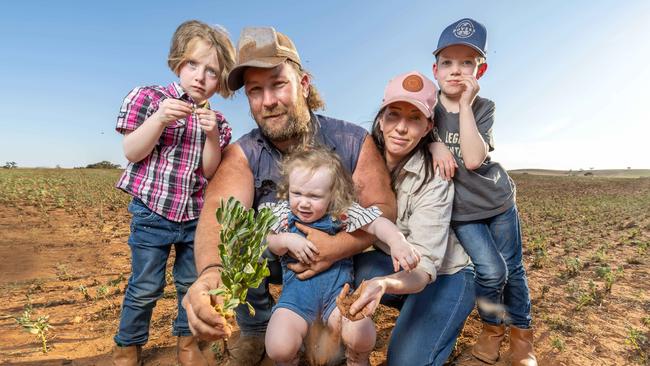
pixel 423 217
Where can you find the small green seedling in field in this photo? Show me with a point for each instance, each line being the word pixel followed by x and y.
pixel 39 327
pixel 639 343
pixel 84 292
pixel 242 244
pixel 558 343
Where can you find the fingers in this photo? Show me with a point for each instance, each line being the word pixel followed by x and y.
pixel 309 255
pixel 396 264
pixel 298 267
pixel 344 291
pixel 205 331
pixel 203 320
pixel 306 274
pixel 405 264
pixel 449 171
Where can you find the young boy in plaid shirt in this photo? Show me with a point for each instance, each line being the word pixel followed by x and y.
pixel 173 142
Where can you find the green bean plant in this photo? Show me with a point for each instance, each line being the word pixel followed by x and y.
pixel 242 243
pixel 40 327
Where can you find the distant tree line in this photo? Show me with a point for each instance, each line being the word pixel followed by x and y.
pixel 10 165
pixel 103 165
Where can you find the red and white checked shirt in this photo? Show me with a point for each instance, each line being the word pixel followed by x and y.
pixel 170 180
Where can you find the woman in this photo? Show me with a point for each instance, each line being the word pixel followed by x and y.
pixel 435 298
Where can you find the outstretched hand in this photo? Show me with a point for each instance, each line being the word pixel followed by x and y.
pixel 370 293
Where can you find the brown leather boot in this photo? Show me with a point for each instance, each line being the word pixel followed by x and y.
pixel 189 353
pixel 246 351
pixel 487 346
pixel 521 347
pixel 127 356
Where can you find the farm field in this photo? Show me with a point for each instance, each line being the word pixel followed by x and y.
pixel 65 259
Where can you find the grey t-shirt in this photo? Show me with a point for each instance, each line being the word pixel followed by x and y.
pixel 486 191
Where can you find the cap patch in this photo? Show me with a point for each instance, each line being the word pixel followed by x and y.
pixel 413 83
pixel 464 29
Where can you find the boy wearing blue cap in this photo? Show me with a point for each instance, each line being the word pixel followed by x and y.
pixel 484 216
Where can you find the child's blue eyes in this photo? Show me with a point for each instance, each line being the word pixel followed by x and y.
pixel 210 72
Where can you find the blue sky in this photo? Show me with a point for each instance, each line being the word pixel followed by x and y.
pixel 570 78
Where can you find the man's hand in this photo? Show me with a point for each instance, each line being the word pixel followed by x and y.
pixel 203 320
pixel 321 261
pixel 443 160
pixel 321 240
pixel 306 271
pixel 300 248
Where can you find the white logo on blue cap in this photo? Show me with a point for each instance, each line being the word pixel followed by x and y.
pixel 464 29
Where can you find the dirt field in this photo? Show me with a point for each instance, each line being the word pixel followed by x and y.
pixel 63 243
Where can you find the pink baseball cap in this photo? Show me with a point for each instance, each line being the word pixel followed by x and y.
pixel 413 88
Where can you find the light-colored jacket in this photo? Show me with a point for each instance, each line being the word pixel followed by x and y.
pixel 423 217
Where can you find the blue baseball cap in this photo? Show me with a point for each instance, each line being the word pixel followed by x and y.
pixel 467 32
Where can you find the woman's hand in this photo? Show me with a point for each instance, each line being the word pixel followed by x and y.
pixel 443 160
pixel 370 293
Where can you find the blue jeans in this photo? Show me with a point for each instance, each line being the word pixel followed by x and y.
pixel 151 239
pixel 430 321
pixel 494 244
pixel 316 296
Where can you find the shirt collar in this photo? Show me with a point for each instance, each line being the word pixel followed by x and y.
pixel 415 163
pixel 176 91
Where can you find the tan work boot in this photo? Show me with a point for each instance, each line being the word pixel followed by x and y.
pixel 487 346
pixel 521 347
pixel 127 356
pixel 189 353
pixel 246 351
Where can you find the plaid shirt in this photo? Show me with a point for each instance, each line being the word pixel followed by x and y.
pixel 170 180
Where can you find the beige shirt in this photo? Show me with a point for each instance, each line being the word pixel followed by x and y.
pixel 423 217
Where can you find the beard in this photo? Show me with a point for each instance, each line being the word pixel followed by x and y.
pixel 295 125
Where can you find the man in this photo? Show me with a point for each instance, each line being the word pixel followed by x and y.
pixel 281 100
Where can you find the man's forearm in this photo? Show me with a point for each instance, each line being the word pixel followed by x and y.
pixel 349 244
pixel 206 239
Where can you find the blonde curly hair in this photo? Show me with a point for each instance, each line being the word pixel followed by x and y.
pixel 313 158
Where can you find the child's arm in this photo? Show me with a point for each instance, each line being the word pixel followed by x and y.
pixel 212 149
pixel 443 160
pixel 138 144
pixel 297 245
pixel 472 146
pixel 401 250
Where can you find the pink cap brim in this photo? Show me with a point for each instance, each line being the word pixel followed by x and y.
pixel 416 103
